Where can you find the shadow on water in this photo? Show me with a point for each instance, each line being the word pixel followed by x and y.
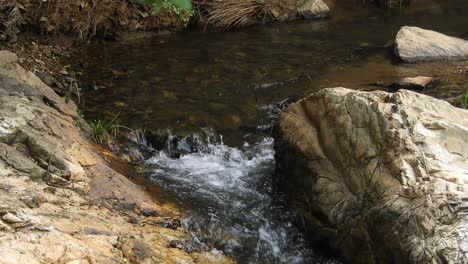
pixel 232 82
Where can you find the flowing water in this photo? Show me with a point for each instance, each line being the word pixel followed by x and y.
pixel 235 209
pixel 236 83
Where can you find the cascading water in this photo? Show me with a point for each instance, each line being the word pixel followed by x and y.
pixel 234 206
pixel 228 81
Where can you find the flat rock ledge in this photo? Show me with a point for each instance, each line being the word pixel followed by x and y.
pixel 60 200
pixel 413 44
pixel 378 177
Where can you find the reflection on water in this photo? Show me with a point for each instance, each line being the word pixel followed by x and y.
pixel 234 82
pixel 195 79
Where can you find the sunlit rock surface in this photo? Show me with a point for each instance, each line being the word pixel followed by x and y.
pixel 378 177
pixel 60 201
pixel 414 44
pixel 314 9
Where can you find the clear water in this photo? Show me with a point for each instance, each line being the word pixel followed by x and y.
pixel 231 82
pixel 195 79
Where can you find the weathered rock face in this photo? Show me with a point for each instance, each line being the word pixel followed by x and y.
pixel 414 44
pixel 378 177
pixel 60 202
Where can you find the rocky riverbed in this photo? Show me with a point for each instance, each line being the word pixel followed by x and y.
pixel 62 201
pixel 376 177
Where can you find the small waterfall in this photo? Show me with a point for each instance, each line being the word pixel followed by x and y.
pixel 232 205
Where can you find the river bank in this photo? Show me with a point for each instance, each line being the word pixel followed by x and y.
pixel 59 190
pixel 193 80
pixel 62 192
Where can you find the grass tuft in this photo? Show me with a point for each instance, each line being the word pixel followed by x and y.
pixel 102 131
pixel 464 100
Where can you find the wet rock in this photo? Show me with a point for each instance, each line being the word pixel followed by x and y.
pixel 168 223
pixel 413 83
pixel 55 192
pixel 188 144
pixel 231 245
pixel 182 245
pixel 314 9
pixel 414 44
pixel 378 177
pixel 127 149
pixel 173 145
pixel 153 139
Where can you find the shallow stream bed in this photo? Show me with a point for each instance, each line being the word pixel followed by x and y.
pixel 235 83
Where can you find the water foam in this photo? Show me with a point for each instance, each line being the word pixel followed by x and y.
pixel 234 207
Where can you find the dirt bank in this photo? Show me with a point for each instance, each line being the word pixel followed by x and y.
pixel 61 201
pixel 82 19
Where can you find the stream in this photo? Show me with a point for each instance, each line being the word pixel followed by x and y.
pixel 229 87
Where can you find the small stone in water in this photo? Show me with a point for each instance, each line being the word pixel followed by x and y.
pixel 413 83
pixel 120 104
pixel 240 54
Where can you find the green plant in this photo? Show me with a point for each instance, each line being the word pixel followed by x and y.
pixel 182 8
pixel 102 131
pixel 464 100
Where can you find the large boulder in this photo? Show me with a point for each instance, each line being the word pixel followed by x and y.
pixel 378 177
pixel 414 44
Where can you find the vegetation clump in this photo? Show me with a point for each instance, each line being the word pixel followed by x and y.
pixel 182 8
pixel 464 100
pixel 83 19
pixel 102 131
